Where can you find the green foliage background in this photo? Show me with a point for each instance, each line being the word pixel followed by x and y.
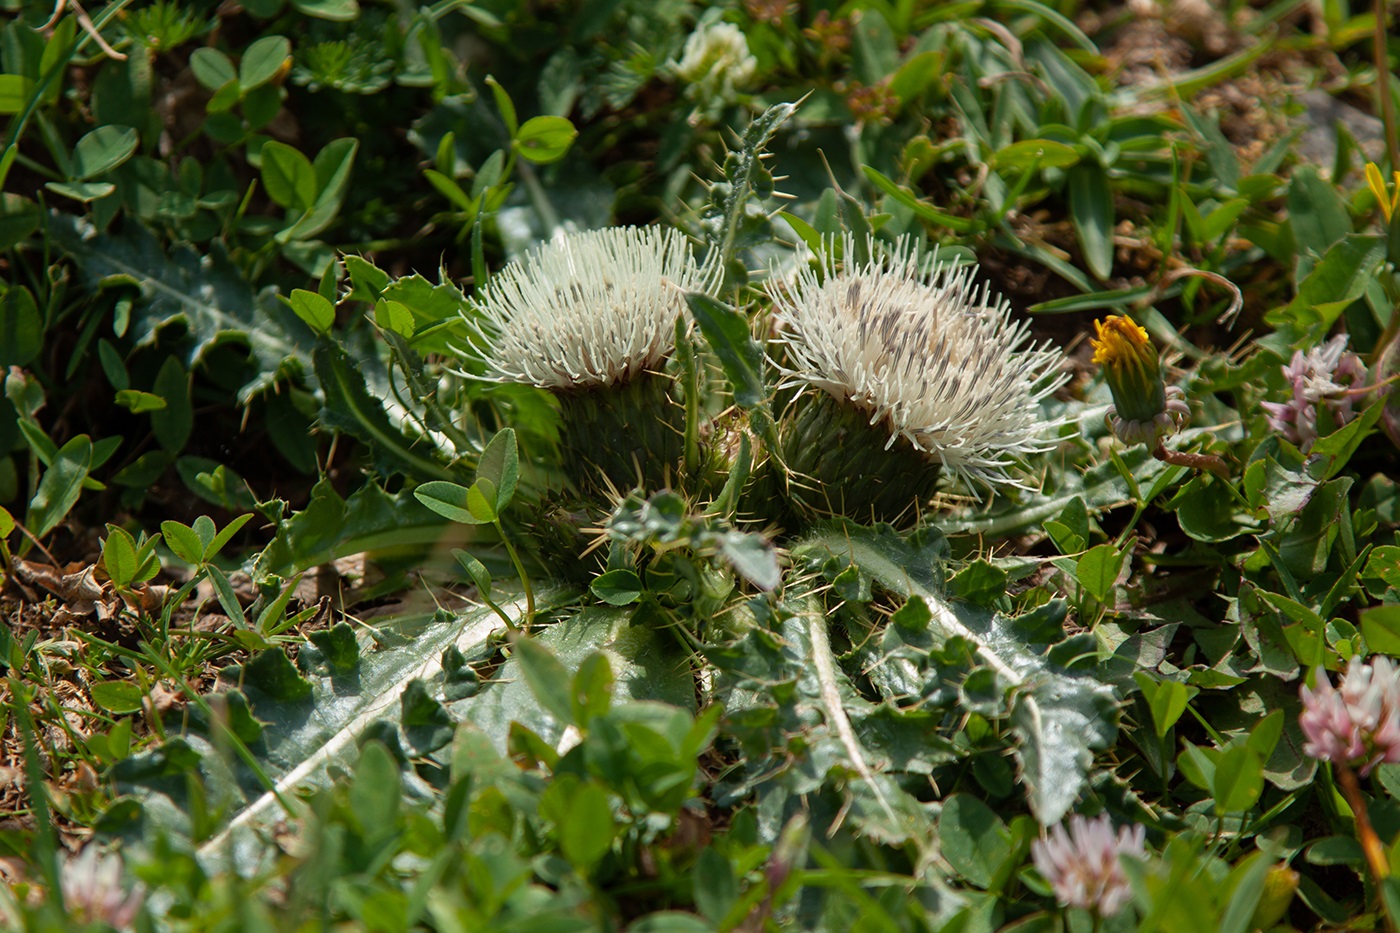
pixel 236 256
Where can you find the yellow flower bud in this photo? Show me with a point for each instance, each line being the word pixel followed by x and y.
pixel 1389 200
pixel 1280 884
pixel 1144 408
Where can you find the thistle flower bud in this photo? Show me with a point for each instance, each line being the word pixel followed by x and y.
pixel 1357 725
pixel 591 317
pixel 1082 864
pixel 899 373
pixel 1145 409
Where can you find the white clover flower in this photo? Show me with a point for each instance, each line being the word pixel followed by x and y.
pixel 92 890
pixel 1330 374
pixel 1357 724
pixel 928 357
pixel 716 62
pixel 588 309
pixel 1082 864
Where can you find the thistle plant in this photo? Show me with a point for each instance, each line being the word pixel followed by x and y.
pixel 425 651
pixel 592 317
pixel 900 372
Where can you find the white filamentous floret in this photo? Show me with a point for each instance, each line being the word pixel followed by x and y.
pixel 587 309
pixel 930 356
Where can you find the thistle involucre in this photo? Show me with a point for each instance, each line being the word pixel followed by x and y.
pixel 592 318
pixel 905 372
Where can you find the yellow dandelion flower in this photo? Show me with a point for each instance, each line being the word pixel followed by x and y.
pixel 1144 408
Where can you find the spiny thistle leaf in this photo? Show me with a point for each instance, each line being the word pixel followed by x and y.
pixel 312 716
pixel 773 684
pixel 299 721
pixel 348 407
pixel 1059 715
pixel 208 295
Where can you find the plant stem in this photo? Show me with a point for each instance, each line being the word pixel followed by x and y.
pixel 524 577
pixel 1194 461
pixel 1365 834
pixel 496 608
pixel 45 844
pixel 690 373
pixel 1138 511
pixel 539 198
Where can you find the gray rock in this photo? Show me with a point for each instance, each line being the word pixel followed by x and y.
pixel 1323 113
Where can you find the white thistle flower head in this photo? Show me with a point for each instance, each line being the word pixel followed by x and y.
pixel 1082 865
pixel 1357 724
pixel 928 357
pixel 592 318
pixel 588 309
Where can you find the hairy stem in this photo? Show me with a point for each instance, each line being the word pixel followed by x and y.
pixel 1194 461
pixel 1365 834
